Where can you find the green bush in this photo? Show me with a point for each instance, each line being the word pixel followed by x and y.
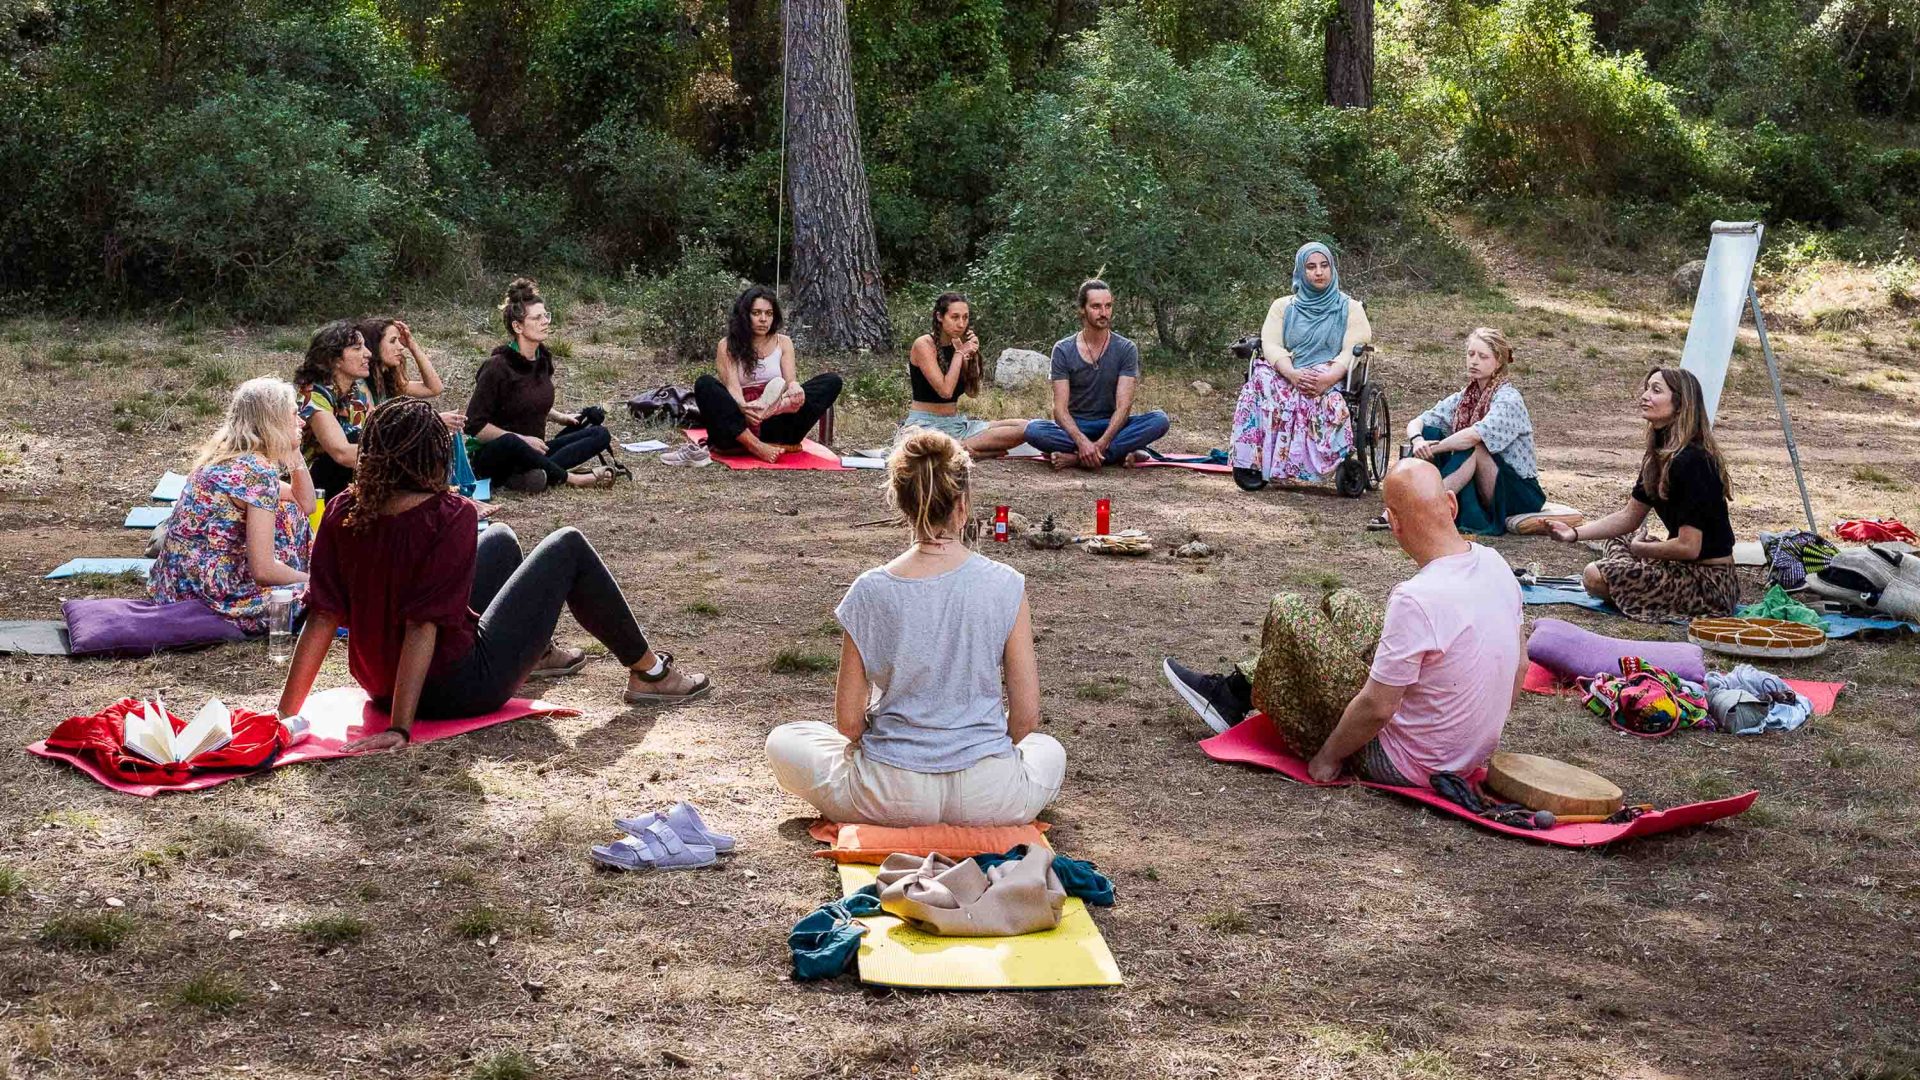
pixel 638 190
pixel 1540 110
pixel 684 311
pixel 1185 188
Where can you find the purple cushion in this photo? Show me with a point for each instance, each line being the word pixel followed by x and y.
pixel 1570 652
pixel 142 627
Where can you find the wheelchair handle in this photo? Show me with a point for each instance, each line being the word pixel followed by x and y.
pixel 1362 349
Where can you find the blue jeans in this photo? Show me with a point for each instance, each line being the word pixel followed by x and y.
pixel 1138 433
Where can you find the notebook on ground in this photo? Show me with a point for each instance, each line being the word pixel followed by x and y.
pixel 1253 741
pixel 1072 954
pixel 101 566
pixel 338 716
pixel 169 487
pixel 811 455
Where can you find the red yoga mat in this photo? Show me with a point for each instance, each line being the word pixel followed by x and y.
pixel 347 702
pixel 1823 695
pixel 811 455
pixel 1254 742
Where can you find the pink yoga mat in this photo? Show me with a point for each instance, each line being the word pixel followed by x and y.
pixel 1824 695
pixel 346 702
pixel 1196 466
pixel 811 455
pixel 1254 742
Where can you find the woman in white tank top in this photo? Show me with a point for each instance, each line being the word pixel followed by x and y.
pixel 755 403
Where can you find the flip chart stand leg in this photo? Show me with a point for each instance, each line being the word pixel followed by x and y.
pixel 1780 402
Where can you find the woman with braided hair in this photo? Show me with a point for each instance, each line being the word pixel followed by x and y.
pixel 397 563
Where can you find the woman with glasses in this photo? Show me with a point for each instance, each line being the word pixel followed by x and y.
pixel 513 402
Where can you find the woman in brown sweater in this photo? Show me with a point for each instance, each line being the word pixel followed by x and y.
pixel 513 401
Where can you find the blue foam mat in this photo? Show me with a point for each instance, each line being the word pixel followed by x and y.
pixel 102 566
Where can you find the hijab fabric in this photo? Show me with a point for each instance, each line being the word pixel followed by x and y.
pixel 1316 322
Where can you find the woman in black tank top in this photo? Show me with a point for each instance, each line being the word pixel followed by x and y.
pixel 946 364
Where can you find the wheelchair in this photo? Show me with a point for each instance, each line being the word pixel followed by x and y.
pixel 1368 413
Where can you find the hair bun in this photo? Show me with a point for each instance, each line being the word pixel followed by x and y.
pixel 522 291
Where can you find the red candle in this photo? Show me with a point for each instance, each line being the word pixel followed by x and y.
pixel 1101 510
pixel 999 524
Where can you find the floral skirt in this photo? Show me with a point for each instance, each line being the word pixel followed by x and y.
pixel 1286 433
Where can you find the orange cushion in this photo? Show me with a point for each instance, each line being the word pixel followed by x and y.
pixel 873 843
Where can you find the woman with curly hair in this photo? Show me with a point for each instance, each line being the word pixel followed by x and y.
pixel 397 563
pixel 334 403
pixel 512 404
pixel 754 401
pixel 393 346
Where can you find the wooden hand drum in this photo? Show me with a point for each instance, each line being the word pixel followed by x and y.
pixel 1540 783
pixel 1772 639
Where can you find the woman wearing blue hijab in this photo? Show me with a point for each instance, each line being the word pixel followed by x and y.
pixel 1291 420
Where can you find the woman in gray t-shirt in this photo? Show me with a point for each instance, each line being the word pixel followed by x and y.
pixel 938 700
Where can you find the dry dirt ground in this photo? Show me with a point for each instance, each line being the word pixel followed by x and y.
pixel 433 913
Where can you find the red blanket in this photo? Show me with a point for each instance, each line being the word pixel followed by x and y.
pixel 347 703
pixel 1253 741
pixel 811 455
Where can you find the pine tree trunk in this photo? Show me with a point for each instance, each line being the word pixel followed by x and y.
pixel 1350 55
pixel 837 292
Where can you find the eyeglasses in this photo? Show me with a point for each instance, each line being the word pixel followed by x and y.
pixel 542 317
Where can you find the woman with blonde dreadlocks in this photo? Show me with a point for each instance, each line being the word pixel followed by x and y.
pixel 940 632
pixel 397 562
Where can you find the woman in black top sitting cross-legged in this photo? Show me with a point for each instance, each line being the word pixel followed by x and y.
pixel 1683 479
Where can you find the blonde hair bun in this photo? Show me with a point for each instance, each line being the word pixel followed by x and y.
pixel 927 479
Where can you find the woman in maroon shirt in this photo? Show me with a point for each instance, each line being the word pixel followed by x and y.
pixel 397 562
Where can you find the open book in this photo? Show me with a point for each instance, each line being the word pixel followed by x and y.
pixel 149 733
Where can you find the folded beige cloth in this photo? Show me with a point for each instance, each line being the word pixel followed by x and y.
pixel 958 899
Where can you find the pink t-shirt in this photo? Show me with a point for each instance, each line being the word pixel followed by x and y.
pixel 1452 638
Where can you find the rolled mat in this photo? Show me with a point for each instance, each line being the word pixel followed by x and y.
pixel 1823 695
pixel 811 455
pixel 1253 741
pixel 873 843
pixel 345 706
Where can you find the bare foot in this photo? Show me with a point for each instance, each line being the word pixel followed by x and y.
pixel 1063 460
pixel 1136 458
pixel 599 476
pixel 485 510
pixel 766 452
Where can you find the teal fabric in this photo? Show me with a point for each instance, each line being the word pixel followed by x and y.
pixel 460 472
pixel 1077 876
pixel 1512 493
pixel 1316 322
pixel 825 942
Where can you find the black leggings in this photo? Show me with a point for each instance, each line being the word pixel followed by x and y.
pixel 725 421
pixel 510 455
pixel 519 601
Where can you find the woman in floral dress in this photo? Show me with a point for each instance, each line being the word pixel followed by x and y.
pixel 238 531
pixel 1291 419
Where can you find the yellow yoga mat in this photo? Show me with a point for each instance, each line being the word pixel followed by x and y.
pixel 894 954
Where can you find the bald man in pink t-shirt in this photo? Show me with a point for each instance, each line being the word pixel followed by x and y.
pixel 1452 652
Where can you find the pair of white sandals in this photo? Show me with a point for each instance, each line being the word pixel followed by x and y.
pixel 676 839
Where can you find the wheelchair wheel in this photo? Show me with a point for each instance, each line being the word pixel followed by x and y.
pixel 1249 479
pixel 1376 434
pixel 1350 479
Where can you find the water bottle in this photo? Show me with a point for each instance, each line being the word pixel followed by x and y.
pixel 297 727
pixel 280 626
pixel 319 509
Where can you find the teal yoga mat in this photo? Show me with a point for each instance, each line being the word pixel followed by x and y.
pixel 1836 626
pixel 101 566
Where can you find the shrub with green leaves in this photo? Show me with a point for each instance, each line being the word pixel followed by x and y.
pixel 684 311
pixel 1184 188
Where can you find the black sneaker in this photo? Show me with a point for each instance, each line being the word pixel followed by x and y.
pixel 1214 698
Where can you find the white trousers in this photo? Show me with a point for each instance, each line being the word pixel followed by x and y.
pixel 813 760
